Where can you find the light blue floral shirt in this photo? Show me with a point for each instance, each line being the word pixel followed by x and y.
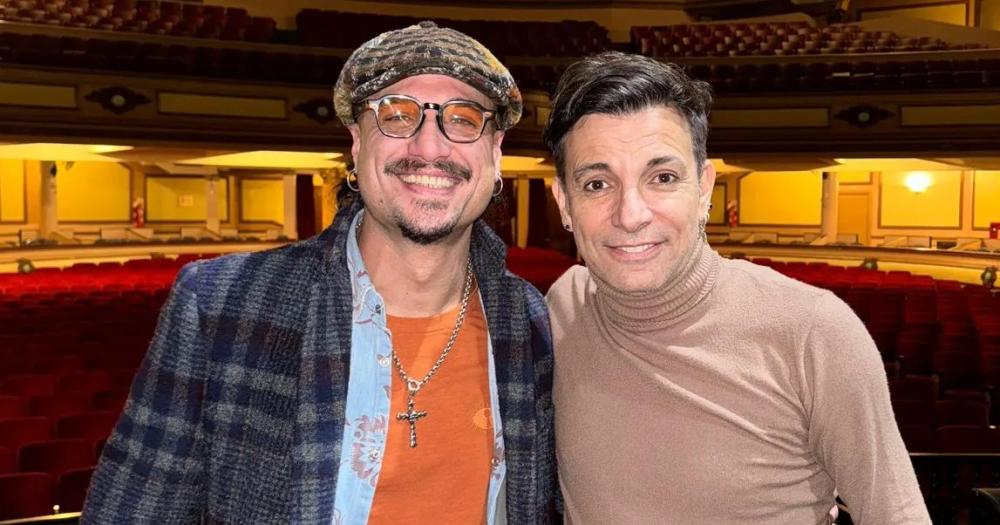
pixel 367 414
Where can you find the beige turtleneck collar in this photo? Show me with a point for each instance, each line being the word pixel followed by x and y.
pixel 660 308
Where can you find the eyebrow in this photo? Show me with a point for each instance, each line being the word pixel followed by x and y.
pixel 653 163
pixel 595 166
pixel 666 159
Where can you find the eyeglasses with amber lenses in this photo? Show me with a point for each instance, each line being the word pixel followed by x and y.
pixel 400 116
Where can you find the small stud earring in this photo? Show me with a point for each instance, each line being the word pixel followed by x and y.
pixel 568 227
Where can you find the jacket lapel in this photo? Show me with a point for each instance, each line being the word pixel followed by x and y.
pixel 326 350
pixel 507 318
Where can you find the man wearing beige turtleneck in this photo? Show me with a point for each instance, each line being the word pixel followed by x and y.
pixel 692 389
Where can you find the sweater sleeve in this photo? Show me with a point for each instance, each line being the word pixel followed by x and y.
pixel 151 470
pixel 852 429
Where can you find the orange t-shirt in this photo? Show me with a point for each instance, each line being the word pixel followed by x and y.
pixel 444 479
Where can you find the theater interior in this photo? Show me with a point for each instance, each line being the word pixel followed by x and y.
pixel 857 145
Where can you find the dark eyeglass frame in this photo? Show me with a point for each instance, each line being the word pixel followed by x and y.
pixel 373 103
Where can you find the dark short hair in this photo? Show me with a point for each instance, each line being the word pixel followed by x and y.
pixel 614 83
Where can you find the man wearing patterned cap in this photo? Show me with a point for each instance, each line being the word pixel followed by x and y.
pixel 389 370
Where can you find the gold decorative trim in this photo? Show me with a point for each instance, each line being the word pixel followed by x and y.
pixel 222 106
pixel 771 118
pixel 964 115
pixel 37 95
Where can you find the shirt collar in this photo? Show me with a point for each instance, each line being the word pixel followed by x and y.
pixel 367 303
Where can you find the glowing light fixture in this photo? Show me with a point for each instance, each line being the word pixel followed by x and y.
pixel 63 152
pixel 271 159
pixel 107 148
pixel 918 181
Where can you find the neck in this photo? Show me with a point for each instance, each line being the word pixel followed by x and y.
pixel 414 280
pixel 660 308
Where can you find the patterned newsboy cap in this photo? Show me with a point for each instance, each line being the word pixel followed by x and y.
pixel 421 49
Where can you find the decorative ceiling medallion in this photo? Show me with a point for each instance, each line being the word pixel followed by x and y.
pixel 318 109
pixel 118 99
pixel 863 115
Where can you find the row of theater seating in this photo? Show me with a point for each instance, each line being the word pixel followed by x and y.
pixel 37 494
pixel 776 38
pixel 95 282
pixel 306 68
pixel 50 442
pixel 860 76
pixel 143 16
pixel 104 328
pixel 504 38
pixel 61 394
pixel 178 59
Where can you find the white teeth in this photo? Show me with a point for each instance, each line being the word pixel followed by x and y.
pixel 635 249
pixel 430 182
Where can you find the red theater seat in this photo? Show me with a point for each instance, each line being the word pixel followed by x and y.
pixel 58 405
pixel 85 382
pixel 913 413
pixel 968 439
pixel 109 401
pixel 57 364
pixel 960 412
pixel 25 495
pixel 12 406
pixel 17 432
pixel 8 460
pixel 72 489
pixel 29 385
pixel 92 425
pixel 917 438
pixel 56 457
pixel 915 388
pixel 958 370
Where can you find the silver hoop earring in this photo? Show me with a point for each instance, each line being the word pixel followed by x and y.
pixel 352 175
pixel 498 186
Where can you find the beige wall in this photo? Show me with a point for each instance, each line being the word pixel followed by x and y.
pixel 93 192
pixel 182 199
pixel 262 200
pixel 12 194
pixel 989 14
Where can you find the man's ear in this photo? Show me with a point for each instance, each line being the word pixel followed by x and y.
pixel 559 192
pixel 705 186
pixel 355 141
pixel 497 151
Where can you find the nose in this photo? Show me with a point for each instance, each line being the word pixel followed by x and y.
pixel 430 143
pixel 633 213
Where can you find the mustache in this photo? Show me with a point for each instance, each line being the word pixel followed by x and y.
pixel 452 168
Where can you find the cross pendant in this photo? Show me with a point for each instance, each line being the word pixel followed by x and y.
pixel 411 416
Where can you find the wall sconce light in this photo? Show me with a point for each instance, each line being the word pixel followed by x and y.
pixel 918 181
pixel 870 263
pixel 989 276
pixel 25 266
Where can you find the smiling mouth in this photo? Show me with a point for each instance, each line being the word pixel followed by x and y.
pixel 635 248
pixel 428 181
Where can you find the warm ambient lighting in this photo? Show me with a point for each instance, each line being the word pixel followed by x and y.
pixel 882 164
pixel 106 148
pixel 918 181
pixel 518 163
pixel 60 152
pixel 271 159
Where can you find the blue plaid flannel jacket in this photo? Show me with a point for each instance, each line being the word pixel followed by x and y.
pixel 237 413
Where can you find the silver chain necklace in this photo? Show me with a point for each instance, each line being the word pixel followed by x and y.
pixel 413 386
